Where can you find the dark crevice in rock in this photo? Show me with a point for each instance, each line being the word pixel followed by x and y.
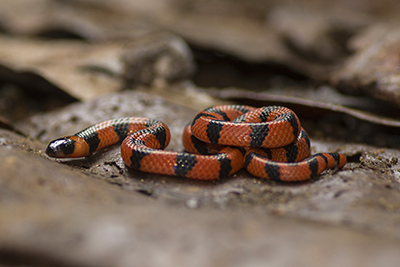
pixel 11 257
pixel 59 33
pixel 219 69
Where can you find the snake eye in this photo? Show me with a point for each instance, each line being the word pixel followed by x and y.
pixel 61 147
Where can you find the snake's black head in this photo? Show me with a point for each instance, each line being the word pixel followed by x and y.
pixel 60 148
pixel 68 147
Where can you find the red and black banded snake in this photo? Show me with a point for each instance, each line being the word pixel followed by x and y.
pixel 268 141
